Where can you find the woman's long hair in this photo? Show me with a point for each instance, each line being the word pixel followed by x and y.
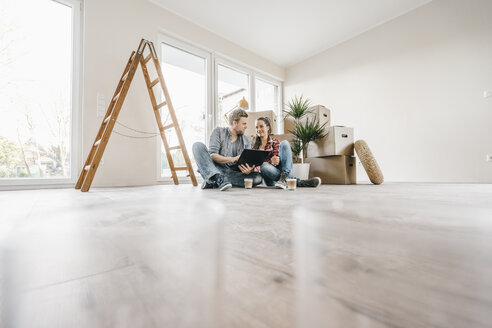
pixel 257 139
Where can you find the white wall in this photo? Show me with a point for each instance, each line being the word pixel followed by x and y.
pixel 412 88
pixel 112 29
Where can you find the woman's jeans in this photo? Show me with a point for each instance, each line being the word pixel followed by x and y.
pixel 208 168
pixel 271 173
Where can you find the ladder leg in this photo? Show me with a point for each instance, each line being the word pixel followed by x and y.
pixel 88 161
pixel 176 124
pixel 174 175
pixel 157 115
pixel 99 146
pixel 172 113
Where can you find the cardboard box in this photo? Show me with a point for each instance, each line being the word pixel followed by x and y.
pixel 252 116
pixel 339 141
pixel 320 112
pixel 333 169
pixel 289 124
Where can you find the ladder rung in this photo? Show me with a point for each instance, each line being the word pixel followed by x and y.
pixel 167 127
pixel 97 143
pixel 117 95
pixel 87 167
pixel 175 147
pixel 181 168
pixel 154 82
pixel 160 105
pixel 146 60
pixel 107 119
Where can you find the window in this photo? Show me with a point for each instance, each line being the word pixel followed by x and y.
pixel 232 86
pixel 38 91
pixel 266 95
pixel 204 87
pixel 234 81
pixel 185 74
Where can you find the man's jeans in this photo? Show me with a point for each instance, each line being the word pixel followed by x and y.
pixel 208 168
pixel 271 173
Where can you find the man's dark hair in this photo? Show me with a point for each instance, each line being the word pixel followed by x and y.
pixel 236 115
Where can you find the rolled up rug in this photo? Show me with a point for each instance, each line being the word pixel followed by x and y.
pixel 369 162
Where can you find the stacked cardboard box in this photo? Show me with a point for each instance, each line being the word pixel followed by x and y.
pixel 338 141
pixel 338 169
pixel 332 157
pixel 315 112
pixel 321 113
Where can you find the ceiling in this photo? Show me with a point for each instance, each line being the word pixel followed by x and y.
pixel 288 31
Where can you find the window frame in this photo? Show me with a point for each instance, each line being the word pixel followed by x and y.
pixel 235 67
pixel 75 115
pixel 215 59
pixel 279 110
pixel 253 75
pixel 187 47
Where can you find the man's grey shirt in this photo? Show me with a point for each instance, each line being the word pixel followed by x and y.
pixel 221 143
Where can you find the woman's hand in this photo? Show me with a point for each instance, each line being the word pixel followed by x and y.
pixel 275 160
pixel 245 168
pixel 235 159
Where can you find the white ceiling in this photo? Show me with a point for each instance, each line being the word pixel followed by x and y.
pixel 289 31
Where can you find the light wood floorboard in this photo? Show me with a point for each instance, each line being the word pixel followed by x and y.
pixel 104 255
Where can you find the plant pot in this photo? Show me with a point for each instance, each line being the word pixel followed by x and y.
pixel 301 171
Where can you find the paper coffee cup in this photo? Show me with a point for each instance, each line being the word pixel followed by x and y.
pixel 248 183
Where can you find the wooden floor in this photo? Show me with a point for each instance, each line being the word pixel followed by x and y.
pixel 421 256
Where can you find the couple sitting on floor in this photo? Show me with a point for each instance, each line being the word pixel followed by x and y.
pixel 226 145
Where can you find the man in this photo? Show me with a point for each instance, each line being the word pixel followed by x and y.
pixel 226 145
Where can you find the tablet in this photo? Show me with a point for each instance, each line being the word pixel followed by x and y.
pixel 251 157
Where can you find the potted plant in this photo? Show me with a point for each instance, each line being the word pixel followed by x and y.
pixel 305 131
pixel 297 108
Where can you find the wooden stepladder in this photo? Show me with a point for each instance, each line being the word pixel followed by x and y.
pixel 91 164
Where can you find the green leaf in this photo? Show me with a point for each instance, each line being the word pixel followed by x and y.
pixel 297 108
pixel 296 147
pixel 308 131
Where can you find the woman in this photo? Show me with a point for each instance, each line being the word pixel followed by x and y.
pixel 278 164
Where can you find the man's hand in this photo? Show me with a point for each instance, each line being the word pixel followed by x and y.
pixel 246 169
pixel 222 159
pixel 275 160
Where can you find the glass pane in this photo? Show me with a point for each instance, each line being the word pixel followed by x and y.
pixel 266 96
pixel 186 79
pixel 232 87
pixel 35 89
